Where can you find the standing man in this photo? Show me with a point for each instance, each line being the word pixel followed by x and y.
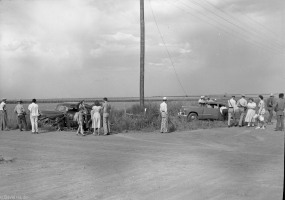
pixel 3 116
pixel 279 109
pixel 83 108
pixel 269 105
pixel 106 112
pixel 34 114
pixel 164 116
pixel 202 101
pixel 231 113
pixel 242 105
pixel 21 113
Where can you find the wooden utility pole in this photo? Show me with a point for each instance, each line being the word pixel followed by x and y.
pixel 142 52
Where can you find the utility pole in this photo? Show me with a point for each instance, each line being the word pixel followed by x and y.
pixel 142 52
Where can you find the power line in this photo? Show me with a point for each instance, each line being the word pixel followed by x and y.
pixel 257 33
pixel 237 26
pixel 224 28
pixel 177 77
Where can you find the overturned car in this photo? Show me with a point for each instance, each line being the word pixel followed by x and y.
pixel 211 111
pixel 64 116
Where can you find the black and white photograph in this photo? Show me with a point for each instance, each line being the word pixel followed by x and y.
pixel 142 99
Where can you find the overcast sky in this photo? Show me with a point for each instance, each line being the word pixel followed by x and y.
pixel 91 48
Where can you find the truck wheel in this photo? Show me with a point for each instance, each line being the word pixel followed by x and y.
pixel 192 117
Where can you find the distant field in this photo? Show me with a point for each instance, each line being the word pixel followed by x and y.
pixel 116 106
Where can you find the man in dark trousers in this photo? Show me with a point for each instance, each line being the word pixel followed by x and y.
pixel 269 105
pixel 279 109
pixel 21 113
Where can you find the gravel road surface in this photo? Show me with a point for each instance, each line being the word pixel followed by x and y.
pixel 216 164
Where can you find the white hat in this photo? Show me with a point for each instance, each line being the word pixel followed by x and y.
pixel 4 99
pixel 272 95
pixel 164 98
pixel 202 97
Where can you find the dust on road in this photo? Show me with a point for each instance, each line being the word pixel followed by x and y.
pixel 236 163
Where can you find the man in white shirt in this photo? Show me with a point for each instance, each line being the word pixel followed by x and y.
pixel 242 105
pixel 3 116
pixel 202 101
pixel 164 116
pixel 34 114
pixel 232 109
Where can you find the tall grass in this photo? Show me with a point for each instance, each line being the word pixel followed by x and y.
pixel 131 117
pixel 12 117
pixel 136 118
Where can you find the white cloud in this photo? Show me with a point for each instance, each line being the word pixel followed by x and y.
pixel 99 40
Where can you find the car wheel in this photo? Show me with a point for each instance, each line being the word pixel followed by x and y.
pixel 192 117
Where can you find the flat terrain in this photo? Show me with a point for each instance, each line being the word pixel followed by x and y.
pixel 217 164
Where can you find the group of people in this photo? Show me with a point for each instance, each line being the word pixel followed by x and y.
pixel 97 111
pixel 251 113
pixel 21 115
pixel 248 111
pixel 204 100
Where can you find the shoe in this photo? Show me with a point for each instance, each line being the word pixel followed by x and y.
pixel 83 134
pixel 252 125
pixel 239 125
pixel 257 127
pixel 262 127
pixel 37 133
pixel 229 126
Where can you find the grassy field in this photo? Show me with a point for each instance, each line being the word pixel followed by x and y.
pixel 121 122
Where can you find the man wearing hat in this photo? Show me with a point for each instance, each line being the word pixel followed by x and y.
pixel 3 115
pixel 269 104
pixel 21 113
pixel 232 110
pixel 164 116
pixel 202 101
pixel 242 105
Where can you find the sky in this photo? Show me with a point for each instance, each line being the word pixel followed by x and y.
pixel 91 48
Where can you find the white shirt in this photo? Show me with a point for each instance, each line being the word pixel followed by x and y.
pixel 163 107
pixel 242 102
pixel 2 105
pixel 34 110
pixel 222 108
pixel 232 104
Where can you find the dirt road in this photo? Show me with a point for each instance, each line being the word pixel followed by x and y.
pixel 217 164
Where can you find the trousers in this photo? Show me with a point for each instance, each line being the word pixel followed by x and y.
pixel 270 110
pixel 164 124
pixel 3 120
pixel 280 122
pixel 242 114
pixel 231 114
pixel 22 123
pixel 34 123
pixel 106 123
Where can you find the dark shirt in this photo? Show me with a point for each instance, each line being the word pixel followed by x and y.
pixel 279 107
pixel 270 102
